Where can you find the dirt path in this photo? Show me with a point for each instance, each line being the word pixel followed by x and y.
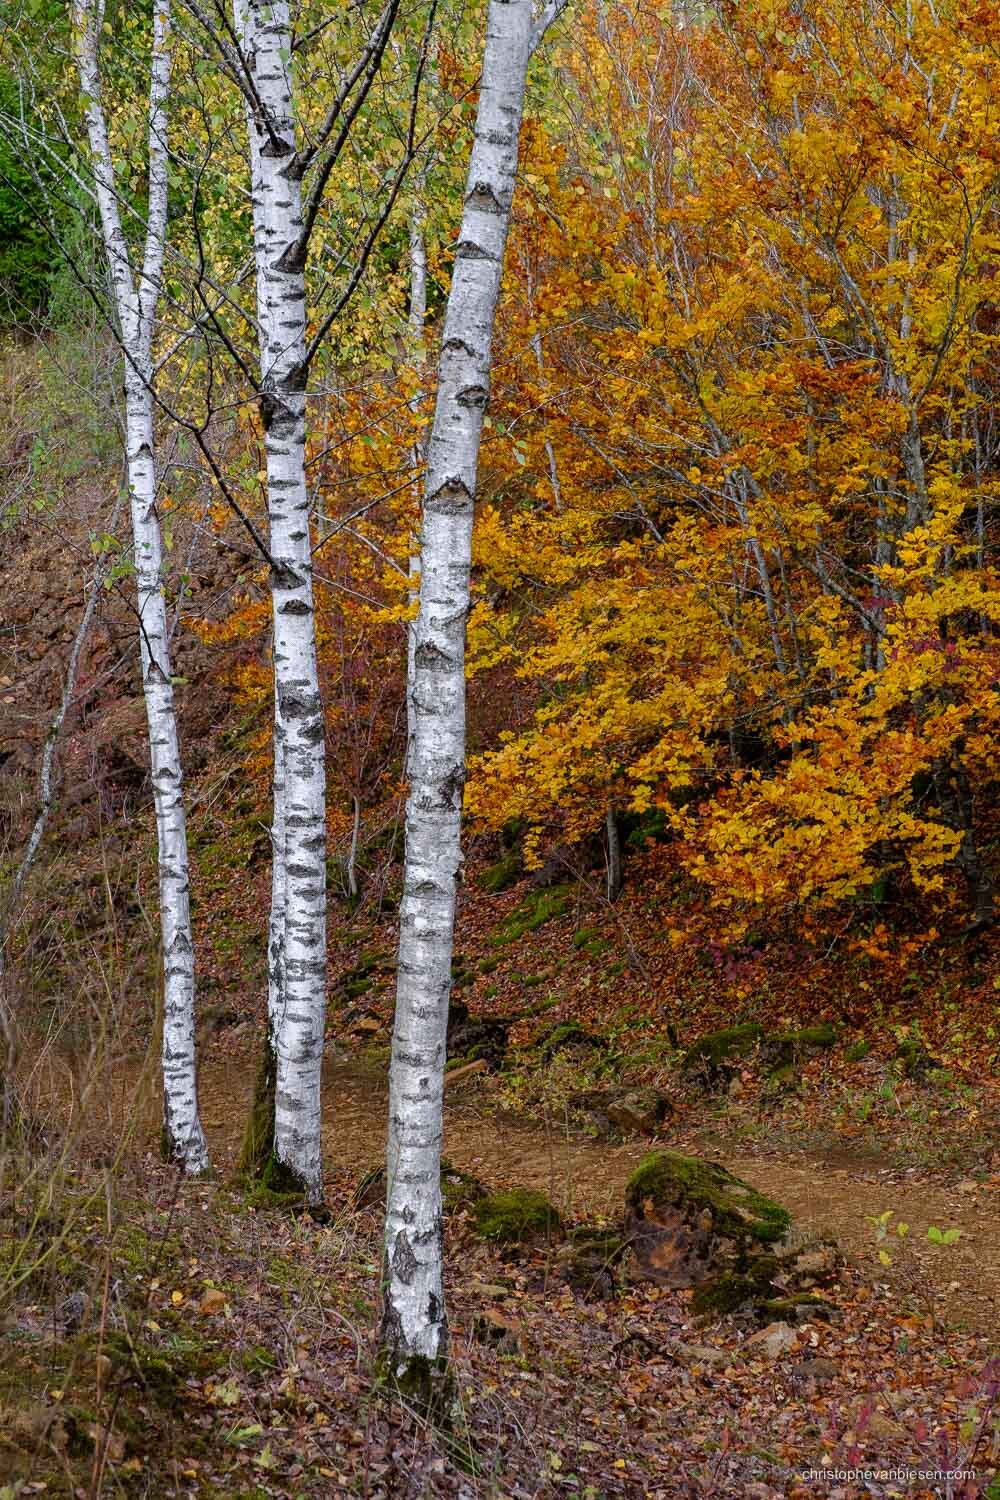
pixel 960 1282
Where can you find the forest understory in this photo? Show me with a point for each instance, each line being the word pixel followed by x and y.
pixel 169 1337
pixel 499 654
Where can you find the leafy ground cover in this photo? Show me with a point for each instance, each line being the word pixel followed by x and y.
pixel 172 1339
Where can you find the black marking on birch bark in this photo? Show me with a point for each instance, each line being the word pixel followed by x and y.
pixel 475 396
pixel 482 196
pixel 434 1307
pixel 285 576
pixel 294 607
pixel 411 1059
pixel 295 705
pixel 450 790
pixel 469 250
pixel 451 496
pixel 292 260
pixel 431 658
pixel 274 150
pixel 404 1262
pixel 457 345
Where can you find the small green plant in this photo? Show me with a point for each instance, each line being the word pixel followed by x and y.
pixel 881 1223
pixel 884 1228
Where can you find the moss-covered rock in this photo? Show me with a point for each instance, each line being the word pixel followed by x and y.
pixel 564 1035
pixel 708 1057
pixel 690 1219
pixel 517 1216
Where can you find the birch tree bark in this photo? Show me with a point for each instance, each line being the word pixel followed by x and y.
pixel 297 931
pixel 414 1334
pixel 417 348
pixel 136 294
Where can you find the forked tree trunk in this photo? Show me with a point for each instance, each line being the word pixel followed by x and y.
pixel 297 931
pixel 414 1325
pixel 136 295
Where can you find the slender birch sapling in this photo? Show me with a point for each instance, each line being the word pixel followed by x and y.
pixel 136 293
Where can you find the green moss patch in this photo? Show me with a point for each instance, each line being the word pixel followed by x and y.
pixel 534 911
pixel 501 876
pixel 516 1216
pixel 709 1052
pixel 738 1211
pixel 568 1034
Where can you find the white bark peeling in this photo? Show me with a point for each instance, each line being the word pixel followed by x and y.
pixel 297 937
pixel 136 299
pixel 414 1320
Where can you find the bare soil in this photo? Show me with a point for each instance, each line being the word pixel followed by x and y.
pixel 585 1178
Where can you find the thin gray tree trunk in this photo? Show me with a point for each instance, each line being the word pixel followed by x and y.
pixel 136 296
pixel 614 883
pixel 414 1325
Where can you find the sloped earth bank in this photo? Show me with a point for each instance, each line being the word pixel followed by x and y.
pixel 240 1340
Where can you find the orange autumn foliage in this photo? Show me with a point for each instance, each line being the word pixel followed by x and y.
pixel 735 566
pixel 742 474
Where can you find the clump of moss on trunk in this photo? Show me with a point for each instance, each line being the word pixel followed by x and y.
pixel 424 1385
pixel 257 1151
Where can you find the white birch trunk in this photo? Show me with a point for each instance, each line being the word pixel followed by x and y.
pixel 276 921
pixel 136 299
pixel 417 351
pixel 259 1141
pixel 414 1327
pixel 297 933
